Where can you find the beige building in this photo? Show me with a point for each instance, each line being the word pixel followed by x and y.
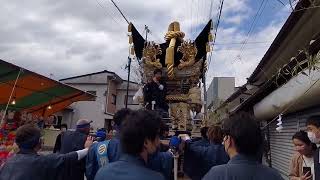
pixel 219 90
pixel 110 92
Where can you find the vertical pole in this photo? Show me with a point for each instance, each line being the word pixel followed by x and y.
pixel 205 95
pixel 128 80
pixel 175 167
pixel 147 31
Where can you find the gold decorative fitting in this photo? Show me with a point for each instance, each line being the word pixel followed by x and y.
pixel 130 39
pixel 130 27
pixel 132 50
pixel 208 48
pixel 210 37
pixel 205 68
pixel 189 51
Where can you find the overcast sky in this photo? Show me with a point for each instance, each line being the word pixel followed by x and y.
pixel 74 37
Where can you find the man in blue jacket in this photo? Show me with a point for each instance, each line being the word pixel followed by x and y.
pixel 190 160
pixel 97 156
pixel 205 156
pixel 242 140
pixel 139 138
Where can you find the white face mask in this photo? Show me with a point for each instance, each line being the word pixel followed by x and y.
pixel 313 138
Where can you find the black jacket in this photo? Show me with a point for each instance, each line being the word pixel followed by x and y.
pixel 152 92
pixel 73 141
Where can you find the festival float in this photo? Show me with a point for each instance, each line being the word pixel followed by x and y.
pixel 29 98
pixel 183 63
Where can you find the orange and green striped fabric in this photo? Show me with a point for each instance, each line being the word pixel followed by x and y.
pixel 34 93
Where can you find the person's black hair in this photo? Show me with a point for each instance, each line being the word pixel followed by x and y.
pixel 141 125
pixel 121 115
pixel 313 120
pixel 27 137
pixel 64 126
pixel 157 71
pixel 163 128
pixel 303 136
pixel 245 131
pixel 215 134
pixel 204 131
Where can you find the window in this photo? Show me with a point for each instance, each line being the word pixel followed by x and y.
pixel 113 99
pixel 92 92
pixel 130 100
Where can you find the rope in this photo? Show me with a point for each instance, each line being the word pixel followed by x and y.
pixel 174 34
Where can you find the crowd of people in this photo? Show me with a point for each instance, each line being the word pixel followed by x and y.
pixel 229 151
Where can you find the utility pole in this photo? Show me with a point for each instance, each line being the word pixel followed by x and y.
pixel 124 17
pixel 128 80
pixel 129 66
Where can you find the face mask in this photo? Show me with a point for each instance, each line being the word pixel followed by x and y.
pixel 313 138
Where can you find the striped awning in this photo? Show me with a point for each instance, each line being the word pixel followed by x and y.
pixel 34 93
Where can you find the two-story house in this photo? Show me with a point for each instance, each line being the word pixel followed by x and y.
pixel 110 92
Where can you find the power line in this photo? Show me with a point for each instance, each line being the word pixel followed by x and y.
pixel 281 2
pixel 210 11
pixel 120 11
pixel 234 49
pixel 107 12
pixel 191 18
pixel 252 26
pixel 290 2
pixel 236 43
pixel 216 28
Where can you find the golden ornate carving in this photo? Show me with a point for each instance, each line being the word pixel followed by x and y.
pixel 189 51
pixel 181 118
pixel 150 53
pixel 195 95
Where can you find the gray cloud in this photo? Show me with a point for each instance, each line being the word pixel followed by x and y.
pixel 74 37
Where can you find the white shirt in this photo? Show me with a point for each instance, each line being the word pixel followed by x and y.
pixel 308 162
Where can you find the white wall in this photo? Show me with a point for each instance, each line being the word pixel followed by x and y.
pixel 95 110
pixel 219 90
pixel 92 110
